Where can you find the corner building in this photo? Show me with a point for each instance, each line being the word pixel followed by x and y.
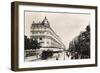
pixel 45 35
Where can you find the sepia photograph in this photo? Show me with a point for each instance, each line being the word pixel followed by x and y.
pixel 56 36
pixel 53 36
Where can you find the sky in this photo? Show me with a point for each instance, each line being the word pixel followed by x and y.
pixel 66 25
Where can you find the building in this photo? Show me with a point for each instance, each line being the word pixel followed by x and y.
pixel 79 47
pixel 45 35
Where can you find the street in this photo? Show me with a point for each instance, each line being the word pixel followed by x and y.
pixel 56 56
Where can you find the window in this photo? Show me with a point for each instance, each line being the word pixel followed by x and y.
pixel 48 42
pixel 40 38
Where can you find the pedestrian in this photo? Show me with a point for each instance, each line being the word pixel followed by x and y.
pixel 56 58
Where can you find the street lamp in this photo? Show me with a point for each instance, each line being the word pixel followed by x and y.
pixel 64 53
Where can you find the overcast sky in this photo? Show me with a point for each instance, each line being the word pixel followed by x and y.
pixel 66 25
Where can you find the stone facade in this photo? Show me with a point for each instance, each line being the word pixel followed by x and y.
pixel 45 35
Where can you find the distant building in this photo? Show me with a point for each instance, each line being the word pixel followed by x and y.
pixel 45 35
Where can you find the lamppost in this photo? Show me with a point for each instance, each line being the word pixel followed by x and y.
pixel 64 53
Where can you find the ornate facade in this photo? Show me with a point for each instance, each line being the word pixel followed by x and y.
pixel 45 35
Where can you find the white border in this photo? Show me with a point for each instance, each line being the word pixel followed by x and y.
pixel 23 64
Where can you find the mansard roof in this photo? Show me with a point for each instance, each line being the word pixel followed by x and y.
pixel 45 22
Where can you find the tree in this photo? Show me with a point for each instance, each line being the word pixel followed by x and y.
pixel 81 44
pixel 26 43
pixel 34 44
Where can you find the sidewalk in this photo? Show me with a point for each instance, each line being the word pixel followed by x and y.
pixel 31 58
